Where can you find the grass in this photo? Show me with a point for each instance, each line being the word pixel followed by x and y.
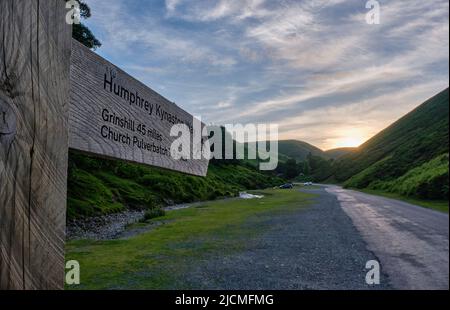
pixel 425 185
pixel 438 205
pixel 98 186
pixel 428 181
pixel 154 213
pixel 158 259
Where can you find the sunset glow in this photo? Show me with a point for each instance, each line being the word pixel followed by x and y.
pixel 350 142
pixel 349 137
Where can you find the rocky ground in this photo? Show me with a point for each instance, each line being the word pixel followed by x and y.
pixel 102 227
pixel 114 226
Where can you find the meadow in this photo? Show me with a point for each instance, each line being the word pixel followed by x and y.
pixel 159 258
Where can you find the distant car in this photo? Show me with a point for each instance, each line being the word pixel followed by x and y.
pixel 307 184
pixel 287 186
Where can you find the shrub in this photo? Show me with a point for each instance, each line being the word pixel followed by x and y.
pixel 428 181
pixel 154 213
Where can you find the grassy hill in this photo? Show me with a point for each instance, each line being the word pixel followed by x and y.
pixel 300 161
pixel 410 157
pixel 298 150
pixel 339 152
pixel 287 150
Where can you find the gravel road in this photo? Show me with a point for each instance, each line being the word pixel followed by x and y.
pixel 410 241
pixel 314 248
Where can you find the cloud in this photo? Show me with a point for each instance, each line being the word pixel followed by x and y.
pixel 124 31
pixel 313 64
pixel 326 127
pixel 329 84
pixel 171 5
pixel 207 11
pixel 350 62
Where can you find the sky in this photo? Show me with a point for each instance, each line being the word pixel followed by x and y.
pixel 316 68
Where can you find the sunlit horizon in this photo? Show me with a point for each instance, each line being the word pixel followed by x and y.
pixel 349 142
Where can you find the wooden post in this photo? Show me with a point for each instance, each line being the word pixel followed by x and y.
pixel 35 47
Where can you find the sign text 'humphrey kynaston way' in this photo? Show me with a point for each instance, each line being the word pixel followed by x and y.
pixel 114 115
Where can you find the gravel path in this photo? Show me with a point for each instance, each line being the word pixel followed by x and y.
pixel 314 248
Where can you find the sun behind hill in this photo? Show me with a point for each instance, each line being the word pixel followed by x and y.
pixel 349 137
pixel 351 142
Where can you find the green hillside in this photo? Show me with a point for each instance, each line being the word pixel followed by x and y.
pixel 425 181
pixel 298 150
pixel 291 149
pixel 339 152
pixel 301 161
pixel 409 157
pixel 98 186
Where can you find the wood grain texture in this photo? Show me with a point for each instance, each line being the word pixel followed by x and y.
pixel 126 99
pixel 35 47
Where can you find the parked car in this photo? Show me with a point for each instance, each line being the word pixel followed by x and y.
pixel 287 186
pixel 307 184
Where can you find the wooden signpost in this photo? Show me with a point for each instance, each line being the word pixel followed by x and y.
pixel 110 114
pixel 114 115
pixel 34 91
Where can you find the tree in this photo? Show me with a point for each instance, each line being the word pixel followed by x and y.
pixel 304 168
pixel 225 137
pixel 291 169
pixel 320 168
pixel 81 32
